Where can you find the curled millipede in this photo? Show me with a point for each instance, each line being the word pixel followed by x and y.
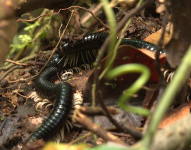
pixel 83 51
pixel 64 95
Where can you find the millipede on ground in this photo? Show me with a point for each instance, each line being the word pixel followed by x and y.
pixel 64 95
pixel 83 51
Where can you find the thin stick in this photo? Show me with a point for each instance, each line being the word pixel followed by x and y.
pixel 57 43
pixel 80 138
pixel 22 60
pixel 87 123
pixel 162 82
pixel 16 63
pixel 31 20
pixel 89 15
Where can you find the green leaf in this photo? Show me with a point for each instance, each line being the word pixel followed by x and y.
pixel 29 27
pixel 25 38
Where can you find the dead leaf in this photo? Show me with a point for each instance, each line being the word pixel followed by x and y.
pixel 175 115
pixel 112 89
pixel 155 37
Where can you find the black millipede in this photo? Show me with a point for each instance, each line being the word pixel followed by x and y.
pixel 64 94
pixel 95 41
pixel 85 50
pixel 69 55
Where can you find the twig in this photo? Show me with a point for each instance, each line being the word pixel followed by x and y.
pixel 162 82
pixel 16 63
pixel 22 60
pixel 90 134
pixel 76 134
pixel 16 82
pixel 86 122
pixel 94 11
pixel 87 11
pixel 31 20
pixel 121 134
pixel 80 138
pixel 57 43
pixel 23 95
pixel 97 111
pixel 24 80
pixel 34 19
pixel 33 63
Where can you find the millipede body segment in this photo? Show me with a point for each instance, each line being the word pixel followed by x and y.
pixel 43 86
